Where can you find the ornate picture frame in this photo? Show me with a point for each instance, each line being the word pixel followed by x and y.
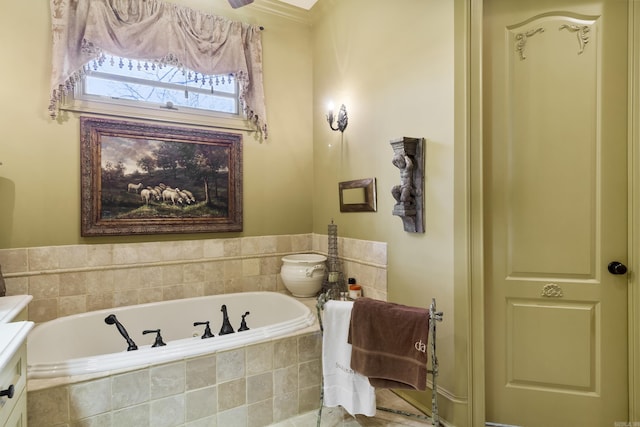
pixel 146 178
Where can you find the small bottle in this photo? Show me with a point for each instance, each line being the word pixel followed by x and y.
pixel 355 290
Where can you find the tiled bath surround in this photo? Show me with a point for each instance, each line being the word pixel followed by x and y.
pixel 65 280
pixel 251 386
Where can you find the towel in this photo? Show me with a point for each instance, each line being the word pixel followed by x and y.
pixel 342 386
pixel 389 343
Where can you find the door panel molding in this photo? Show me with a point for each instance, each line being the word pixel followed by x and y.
pixel 475 188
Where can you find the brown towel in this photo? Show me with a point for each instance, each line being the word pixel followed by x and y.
pixel 389 343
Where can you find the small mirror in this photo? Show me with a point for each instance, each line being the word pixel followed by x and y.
pixel 358 195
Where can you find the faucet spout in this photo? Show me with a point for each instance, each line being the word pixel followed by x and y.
pixel 226 325
pixel 112 320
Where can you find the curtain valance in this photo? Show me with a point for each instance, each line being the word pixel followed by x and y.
pixel 153 30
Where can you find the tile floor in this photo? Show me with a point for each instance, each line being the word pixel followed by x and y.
pixel 337 417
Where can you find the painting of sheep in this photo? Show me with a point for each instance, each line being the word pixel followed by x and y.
pixel 140 178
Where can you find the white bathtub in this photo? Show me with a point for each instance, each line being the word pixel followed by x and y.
pixel 85 344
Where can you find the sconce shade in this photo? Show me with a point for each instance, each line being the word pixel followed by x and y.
pixel 343 119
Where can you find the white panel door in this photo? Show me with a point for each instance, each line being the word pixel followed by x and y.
pixel 555 159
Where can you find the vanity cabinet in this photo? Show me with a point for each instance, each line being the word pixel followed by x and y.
pixel 13 373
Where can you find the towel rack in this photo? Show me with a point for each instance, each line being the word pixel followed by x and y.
pixel 434 317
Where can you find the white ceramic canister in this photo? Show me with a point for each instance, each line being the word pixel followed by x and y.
pixel 302 274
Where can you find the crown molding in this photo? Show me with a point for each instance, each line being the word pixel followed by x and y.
pixel 282 10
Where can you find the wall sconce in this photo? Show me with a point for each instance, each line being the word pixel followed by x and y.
pixel 343 120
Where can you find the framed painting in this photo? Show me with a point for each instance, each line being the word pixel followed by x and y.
pixel 144 178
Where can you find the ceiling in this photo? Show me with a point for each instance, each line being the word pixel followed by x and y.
pixel 304 4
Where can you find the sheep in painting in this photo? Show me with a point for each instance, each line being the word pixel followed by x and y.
pixel 146 195
pixel 171 195
pixel 154 192
pixel 184 196
pixel 189 196
pixel 134 187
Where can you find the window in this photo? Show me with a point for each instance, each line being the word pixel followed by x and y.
pixel 117 81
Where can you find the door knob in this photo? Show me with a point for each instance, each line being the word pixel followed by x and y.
pixel 616 267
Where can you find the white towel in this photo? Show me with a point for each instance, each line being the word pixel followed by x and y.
pixel 342 385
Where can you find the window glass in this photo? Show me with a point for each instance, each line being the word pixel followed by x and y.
pixel 126 81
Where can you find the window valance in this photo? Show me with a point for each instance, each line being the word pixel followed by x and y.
pixel 153 30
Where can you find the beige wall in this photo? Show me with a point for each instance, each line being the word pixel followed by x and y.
pixel 393 63
pixel 40 172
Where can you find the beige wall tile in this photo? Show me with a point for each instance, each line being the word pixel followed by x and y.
pixel 309 347
pixel 44 286
pixel 230 365
pixel 193 273
pixel 250 267
pixel 301 242
pixel 99 255
pixel 49 406
pixel 43 258
pixel 43 310
pixel 204 422
pixel 172 292
pixel 14 260
pixel 102 420
pixel 259 387
pixel 232 247
pixel 168 412
pixel 309 373
pixel 150 295
pixel 130 389
pixel 232 394
pixel 125 254
pixel 259 358
pixel 17 285
pixel 283 244
pixel 260 413
pixel 73 283
pixel 72 256
pixel 127 278
pixel 150 277
pixel 134 416
pixel 167 380
pixel 236 417
pixel 285 406
pixel 201 372
pixel 285 352
pixel 309 399
pixel 99 301
pixel 75 304
pixel 172 274
pixel 124 298
pixel 233 269
pixel 90 398
pixel 213 248
pixel 201 403
pixel 285 380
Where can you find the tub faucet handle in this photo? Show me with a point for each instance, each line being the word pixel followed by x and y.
pixel 158 342
pixel 207 330
pixel 243 324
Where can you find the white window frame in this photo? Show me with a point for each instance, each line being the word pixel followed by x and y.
pixel 79 102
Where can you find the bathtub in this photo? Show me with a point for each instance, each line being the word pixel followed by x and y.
pixel 85 344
